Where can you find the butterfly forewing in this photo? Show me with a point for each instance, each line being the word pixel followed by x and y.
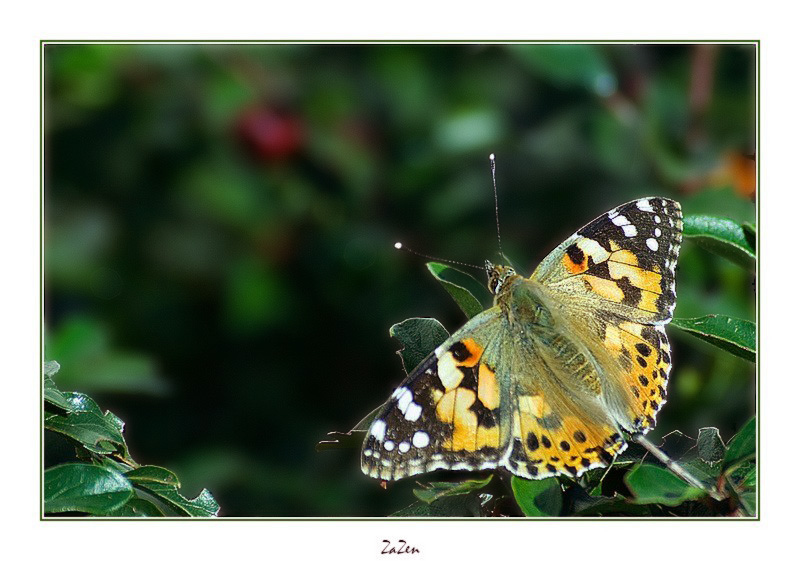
pixel 446 414
pixel 622 262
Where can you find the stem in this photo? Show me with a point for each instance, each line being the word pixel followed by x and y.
pixel 675 468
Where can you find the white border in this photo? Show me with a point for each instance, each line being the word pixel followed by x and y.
pixel 374 21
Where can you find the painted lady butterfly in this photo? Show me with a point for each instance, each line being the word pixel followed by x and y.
pixel 548 379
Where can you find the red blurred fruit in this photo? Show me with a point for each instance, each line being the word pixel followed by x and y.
pixel 270 134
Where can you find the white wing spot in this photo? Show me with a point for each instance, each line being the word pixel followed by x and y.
pixel 657 219
pixel 652 244
pixel 378 429
pixel 657 232
pixel 630 230
pixel 389 445
pixel 644 205
pixel 420 439
pixel 620 220
pixel 368 453
pixel 404 447
pixel 404 398
pixel 448 371
pixel 413 412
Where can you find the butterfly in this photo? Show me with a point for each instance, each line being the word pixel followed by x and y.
pixel 549 378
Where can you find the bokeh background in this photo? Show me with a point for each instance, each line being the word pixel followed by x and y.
pixel 219 222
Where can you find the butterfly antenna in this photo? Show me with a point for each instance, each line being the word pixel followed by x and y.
pixel 493 166
pixel 399 245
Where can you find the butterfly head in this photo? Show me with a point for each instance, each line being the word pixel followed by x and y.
pixel 498 275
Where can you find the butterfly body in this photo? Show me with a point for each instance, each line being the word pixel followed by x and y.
pixel 547 379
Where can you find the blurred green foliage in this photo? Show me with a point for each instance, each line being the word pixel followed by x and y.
pixel 219 222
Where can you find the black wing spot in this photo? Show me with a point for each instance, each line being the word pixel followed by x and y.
pixel 631 294
pixel 470 379
pixel 485 416
pixel 460 352
pixel 575 254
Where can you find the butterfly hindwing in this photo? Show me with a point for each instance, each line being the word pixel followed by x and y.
pixel 560 423
pixel 636 361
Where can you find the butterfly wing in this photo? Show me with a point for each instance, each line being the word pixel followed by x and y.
pixel 446 414
pixel 636 362
pixel 490 397
pixel 622 262
pixel 560 423
pixel 613 282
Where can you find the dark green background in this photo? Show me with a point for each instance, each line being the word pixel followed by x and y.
pixel 219 222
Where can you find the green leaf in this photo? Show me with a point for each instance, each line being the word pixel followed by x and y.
pixel 610 506
pixel 97 431
pixel 418 337
pixel 748 501
pixel 84 488
pixel 54 396
pixel 737 336
pixel 153 474
pixel 742 446
pixel 710 448
pixel 137 508
pixel 569 65
pixel 653 484
pixel 721 236
pixel 50 368
pixel 90 361
pixel 751 478
pixel 438 489
pixel 707 474
pixel 750 231
pixel 202 505
pixel 458 505
pixel 470 305
pixel 538 497
pixel 51 393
